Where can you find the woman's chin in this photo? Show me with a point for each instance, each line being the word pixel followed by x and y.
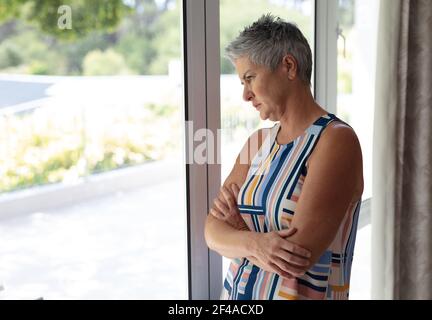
pixel 262 115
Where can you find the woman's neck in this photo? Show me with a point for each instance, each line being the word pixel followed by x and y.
pixel 300 113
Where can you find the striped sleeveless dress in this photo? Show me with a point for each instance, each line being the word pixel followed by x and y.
pixel 267 202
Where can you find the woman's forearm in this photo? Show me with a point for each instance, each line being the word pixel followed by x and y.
pixel 227 240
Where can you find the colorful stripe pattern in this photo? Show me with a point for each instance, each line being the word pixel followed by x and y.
pixel 267 202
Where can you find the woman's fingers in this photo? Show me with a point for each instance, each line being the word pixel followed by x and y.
pixel 221 206
pixel 275 268
pixel 296 249
pixel 235 189
pixel 292 247
pixel 286 267
pixel 229 198
pixel 293 259
pixel 269 266
pixel 217 214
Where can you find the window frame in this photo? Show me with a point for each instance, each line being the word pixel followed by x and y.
pixel 325 46
pixel 202 107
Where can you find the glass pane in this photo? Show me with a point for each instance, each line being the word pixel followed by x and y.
pixel 239 119
pixel 355 104
pixel 91 151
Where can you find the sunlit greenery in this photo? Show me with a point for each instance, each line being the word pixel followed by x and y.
pixel 143 33
pixel 56 145
pixel 87 15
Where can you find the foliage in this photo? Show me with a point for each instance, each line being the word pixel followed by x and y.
pixel 146 34
pixel 75 52
pixel 137 51
pixel 150 37
pixel 97 63
pixel 33 52
pixel 58 145
pixel 87 15
pixel 10 56
pixel 10 8
pixel 166 41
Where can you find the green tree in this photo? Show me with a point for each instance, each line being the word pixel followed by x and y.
pixel 10 8
pixel 86 15
pixel 150 36
pixel 74 52
pixel 97 63
pixel 10 55
pixel 167 40
pixel 28 51
pixel 147 34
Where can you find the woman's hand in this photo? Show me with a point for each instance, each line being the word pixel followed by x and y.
pixel 225 207
pixel 273 252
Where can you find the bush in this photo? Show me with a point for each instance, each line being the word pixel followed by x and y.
pixel 38 67
pixel 53 144
pixel 109 62
pixel 10 56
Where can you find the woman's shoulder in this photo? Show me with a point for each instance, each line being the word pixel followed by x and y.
pixel 338 132
pixel 338 139
pixel 340 146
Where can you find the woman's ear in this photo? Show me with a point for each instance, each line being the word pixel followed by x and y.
pixel 289 64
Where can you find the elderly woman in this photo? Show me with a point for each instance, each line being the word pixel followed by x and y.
pixel 287 214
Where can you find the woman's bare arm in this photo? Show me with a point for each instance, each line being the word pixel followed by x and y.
pixel 220 236
pixel 334 181
pixel 227 240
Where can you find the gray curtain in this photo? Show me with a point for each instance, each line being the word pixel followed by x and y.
pixel 402 186
pixel 413 214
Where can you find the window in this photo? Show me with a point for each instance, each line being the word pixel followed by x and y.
pixel 92 142
pixel 356 60
pixel 91 158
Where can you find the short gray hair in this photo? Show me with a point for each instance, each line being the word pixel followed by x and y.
pixel 268 40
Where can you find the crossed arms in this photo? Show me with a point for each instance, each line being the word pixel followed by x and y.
pixel 333 182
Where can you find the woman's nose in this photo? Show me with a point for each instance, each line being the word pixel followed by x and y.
pixel 247 94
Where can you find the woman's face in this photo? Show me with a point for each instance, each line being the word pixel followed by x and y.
pixel 267 90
